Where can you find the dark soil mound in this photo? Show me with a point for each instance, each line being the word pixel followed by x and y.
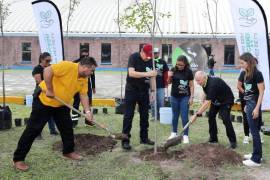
pixel 89 144
pixel 205 155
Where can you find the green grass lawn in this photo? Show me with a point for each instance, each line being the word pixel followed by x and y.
pixel 118 164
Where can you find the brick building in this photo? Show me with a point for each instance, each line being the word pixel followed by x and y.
pixel 93 26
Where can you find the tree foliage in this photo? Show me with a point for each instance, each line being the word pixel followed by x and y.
pixel 72 6
pixel 140 16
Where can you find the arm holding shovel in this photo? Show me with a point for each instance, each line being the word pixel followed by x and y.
pixel 203 107
pixel 86 107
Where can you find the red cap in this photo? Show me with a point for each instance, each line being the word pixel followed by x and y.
pixel 147 49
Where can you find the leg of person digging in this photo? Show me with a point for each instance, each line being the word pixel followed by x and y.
pixel 144 124
pixel 64 124
pixel 130 103
pixel 225 111
pixel 213 124
pixel 38 118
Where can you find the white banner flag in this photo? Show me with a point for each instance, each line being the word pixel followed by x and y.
pixel 250 27
pixel 49 23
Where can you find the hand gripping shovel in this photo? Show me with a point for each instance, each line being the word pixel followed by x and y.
pixel 177 140
pixel 118 136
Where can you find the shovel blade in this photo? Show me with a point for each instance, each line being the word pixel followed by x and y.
pixel 172 142
pixel 119 136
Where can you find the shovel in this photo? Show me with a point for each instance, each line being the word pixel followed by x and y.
pixel 177 140
pixel 119 136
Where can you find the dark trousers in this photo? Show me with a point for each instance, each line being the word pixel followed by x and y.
pixel 224 111
pixel 132 97
pixel 39 116
pixel 254 125
pixel 245 122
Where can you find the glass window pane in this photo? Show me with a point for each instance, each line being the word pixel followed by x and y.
pixel 106 53
pixel 167 53
pixel 229 53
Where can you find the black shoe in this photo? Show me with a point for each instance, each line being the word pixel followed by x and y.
pixel 54 133
pixel 147 141
pixel 213 141
pixel 233 145
pixel 126 146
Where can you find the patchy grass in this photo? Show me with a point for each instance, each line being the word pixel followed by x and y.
pixel 118 164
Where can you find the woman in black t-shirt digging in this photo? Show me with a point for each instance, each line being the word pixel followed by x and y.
pixel 253 95
pixel 182 93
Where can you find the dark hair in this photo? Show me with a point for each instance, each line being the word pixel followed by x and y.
pixel 183 59
pixel 251 61
pixel 84 50
pixel 88 61
pixel 43 56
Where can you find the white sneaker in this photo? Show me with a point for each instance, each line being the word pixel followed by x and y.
pixel 246 140
pixel 261 134
pixel 185 139
pixel 247 156
pixel 251 163
pixel 173 135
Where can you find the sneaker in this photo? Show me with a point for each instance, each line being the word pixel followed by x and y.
pixel 251 163
pixel 147 141
pixel 247 156
pixel 173 135
pixel 246 140
pixel 185 139
pixel 126 145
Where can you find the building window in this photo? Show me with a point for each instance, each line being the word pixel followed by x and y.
pixel 208 49
pixel 167 53
pixel 229 53
pixel 84 46
pixel 105 53
pixel 140 47
pixel 26 52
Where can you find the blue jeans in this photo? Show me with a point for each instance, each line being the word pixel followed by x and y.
pixel 254 126
pixel 179 105
pixel 160 101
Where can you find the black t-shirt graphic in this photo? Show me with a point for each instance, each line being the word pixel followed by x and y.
pixel 38 70
pixel 135 61
pixel 250 85
pixel 180 83
pixel 218 92
pixel 161 67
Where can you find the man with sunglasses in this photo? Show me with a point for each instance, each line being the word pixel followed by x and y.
pixel 91 90
pixel 140 70
pixel 37 73
pixel 61 80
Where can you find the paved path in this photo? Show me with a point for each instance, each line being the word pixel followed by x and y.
pixel 108 84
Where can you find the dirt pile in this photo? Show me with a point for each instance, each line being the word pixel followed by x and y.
pixel 89 144
pixel 204 154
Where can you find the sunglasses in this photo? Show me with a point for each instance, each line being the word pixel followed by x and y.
pixel 47 60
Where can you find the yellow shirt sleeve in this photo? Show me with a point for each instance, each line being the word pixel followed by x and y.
pixel 61 68
pixel 84 88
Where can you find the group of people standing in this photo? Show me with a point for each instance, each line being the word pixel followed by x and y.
pixel 218 97
pixel 68 80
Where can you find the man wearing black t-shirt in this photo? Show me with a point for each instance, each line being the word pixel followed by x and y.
pixel 140 69
pixel 161 82
pixel 220 97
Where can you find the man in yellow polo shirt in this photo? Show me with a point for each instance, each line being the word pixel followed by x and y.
pixel 62 80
